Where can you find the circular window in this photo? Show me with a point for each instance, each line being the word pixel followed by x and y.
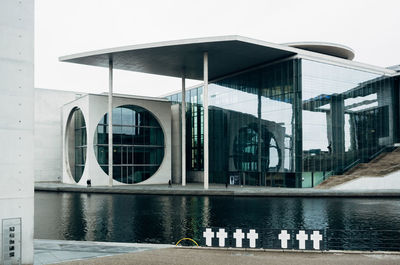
pixel 76 144
pixel 138 144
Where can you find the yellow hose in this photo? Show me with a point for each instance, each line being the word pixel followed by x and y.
pixel 186 238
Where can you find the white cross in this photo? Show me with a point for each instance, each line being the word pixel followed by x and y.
pixel 239 236
pixel 252 236
pixel 222 235
pixel 302 237
pixel 209 235
pixel 284 237
pixel 316 237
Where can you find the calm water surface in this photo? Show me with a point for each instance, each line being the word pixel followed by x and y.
pixel 166 219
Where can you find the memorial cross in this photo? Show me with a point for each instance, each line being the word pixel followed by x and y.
pixel 222 235
pixel 209 235
pixel 302 237
pixel 239 236
pixel 316 237
pixel 284 237
pixel 252 236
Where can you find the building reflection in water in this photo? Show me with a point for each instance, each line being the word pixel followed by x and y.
pixel 73 216
pixel 166 219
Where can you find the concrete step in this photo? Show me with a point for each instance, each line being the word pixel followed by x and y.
pixel 382 165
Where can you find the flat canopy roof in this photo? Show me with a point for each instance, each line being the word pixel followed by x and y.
pixel 184 58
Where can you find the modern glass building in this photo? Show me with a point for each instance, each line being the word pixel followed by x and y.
pixel 287 115
pixel 292 122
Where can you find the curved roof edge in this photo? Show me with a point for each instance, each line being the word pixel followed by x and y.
pixel 328 48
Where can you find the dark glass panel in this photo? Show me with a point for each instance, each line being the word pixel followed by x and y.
pixel 138 156
pixel 102 155
pixel 117 155
pixel 130 155
pixel 127 135
pixel 102 135
pixel 130 175
pixel 117 134
pixel 117 174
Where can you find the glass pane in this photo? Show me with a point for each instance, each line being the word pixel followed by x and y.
pixel 102 153
pixel 117 116
pixel 127 116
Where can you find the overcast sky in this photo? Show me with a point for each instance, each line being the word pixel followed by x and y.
pixel 62 27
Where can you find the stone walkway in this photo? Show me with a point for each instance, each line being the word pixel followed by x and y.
pixel 183 256
pixel 56 251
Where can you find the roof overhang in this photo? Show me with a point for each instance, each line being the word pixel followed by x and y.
pixel 184 58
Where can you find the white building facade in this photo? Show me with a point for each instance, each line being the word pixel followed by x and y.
pixel 141 141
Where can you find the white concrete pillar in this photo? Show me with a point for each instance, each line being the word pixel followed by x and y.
pixel 17 131
pixel 183 122
pixel 110 127
pixel 205 108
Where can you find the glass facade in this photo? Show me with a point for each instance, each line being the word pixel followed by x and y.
pixel 292 123
pixel 79 141
pixel 347 118
pixel 138 144
pixel 253 126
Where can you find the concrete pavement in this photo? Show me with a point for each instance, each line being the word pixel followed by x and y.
pixel 183 256
pixel 215 190
pixel 56 251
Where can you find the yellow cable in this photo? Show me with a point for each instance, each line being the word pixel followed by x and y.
pixel 186 238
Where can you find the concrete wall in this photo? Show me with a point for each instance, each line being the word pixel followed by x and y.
pixel 94 107
pixel 16 118
pixel 48 126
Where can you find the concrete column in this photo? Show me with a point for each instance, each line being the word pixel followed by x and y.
pixel 183 122
pixel 205 108
pixel 17 130
pixel 259 137
pixel 110 127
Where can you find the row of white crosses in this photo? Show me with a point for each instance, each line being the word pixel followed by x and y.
pixel 252 236
pixel 238 235
pixel 302 237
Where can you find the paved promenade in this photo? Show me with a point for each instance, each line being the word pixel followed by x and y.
pixel 56 251
pixel 215 190
pixel 183 256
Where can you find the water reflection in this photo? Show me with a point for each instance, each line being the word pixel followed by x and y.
pixel 166 219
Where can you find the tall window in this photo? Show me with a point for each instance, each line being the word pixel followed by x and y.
pixel 77 144
pixel 138 144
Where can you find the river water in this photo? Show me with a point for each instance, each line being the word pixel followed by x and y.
pixel 166 219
